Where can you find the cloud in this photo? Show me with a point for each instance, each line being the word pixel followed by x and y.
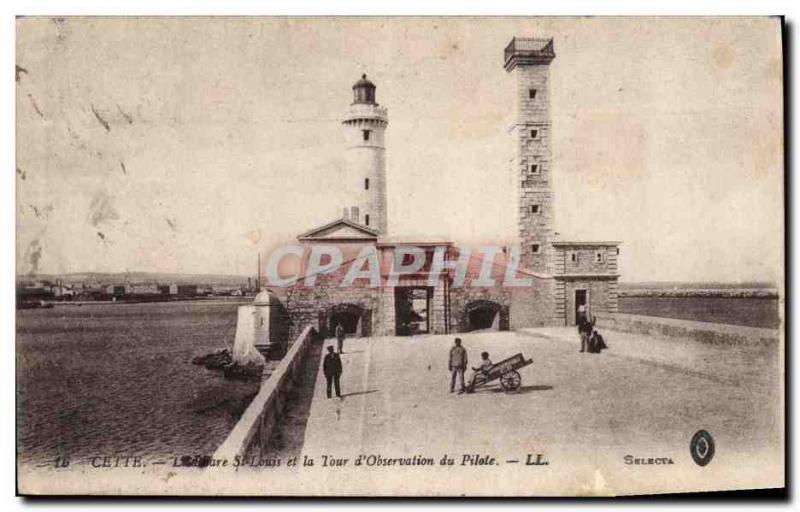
pixel 32 256
pixel 101 209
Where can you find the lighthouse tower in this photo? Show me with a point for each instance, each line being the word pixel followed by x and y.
pixel 364 126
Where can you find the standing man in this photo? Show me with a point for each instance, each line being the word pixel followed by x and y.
pixel 339 337
pixel 581 313
pixel 457 363
pixel 332 368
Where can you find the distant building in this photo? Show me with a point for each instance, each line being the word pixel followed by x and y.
pixel 145 289
pixel 118 290
pixel 225 290
pixel 187 290
pixel 168 289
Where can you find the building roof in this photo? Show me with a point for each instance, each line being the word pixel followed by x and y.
pixel 340 230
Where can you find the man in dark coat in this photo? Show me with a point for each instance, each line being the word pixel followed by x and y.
pixel 332 368
pixel 339 337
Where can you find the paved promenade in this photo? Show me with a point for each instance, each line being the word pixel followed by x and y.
pixel 584 413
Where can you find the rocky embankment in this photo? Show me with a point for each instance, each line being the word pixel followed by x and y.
pixel 222 359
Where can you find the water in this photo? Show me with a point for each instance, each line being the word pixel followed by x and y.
pixel 753 312
pixel 111 379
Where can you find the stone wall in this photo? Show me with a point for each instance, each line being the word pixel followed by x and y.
pixel 534 306
pixel 705 332
pixel 586 259
pixel 252 432
pixel 461 298
pixel 313 305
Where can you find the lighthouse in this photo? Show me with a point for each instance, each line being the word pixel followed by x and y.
pixel 364 127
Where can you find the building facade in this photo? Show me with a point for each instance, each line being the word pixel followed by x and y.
pixel 565 276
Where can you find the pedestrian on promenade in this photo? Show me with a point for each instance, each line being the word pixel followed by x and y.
pixel 339 337
pixel 585 328
pixel 457 363
pixel 332 368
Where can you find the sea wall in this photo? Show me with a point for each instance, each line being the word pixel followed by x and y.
pixel 705 332
pixel 252 433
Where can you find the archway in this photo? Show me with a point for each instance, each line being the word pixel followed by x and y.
pixel 354 319
pixel 486 315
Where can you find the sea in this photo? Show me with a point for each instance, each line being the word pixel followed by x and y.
pixel 118 379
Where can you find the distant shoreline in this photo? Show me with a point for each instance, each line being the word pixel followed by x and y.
pixel 51 303
pixel 723 293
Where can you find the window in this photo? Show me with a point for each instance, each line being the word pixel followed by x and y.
pixel 573 257
pixel 366 220
pixel 535 168
pixel 365 133
pixel 598 257
pixel 531 93
pixel 366 183
pixel 534 208
pixel 534 133
pixel 535 248
pixel 617 250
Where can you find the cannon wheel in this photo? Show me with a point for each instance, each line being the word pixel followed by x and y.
pixel 511 380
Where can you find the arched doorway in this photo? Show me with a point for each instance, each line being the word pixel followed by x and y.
pixel 486 315
pixel 354 319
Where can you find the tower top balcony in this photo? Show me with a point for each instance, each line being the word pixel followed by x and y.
pixel 367 112
pixel 523 51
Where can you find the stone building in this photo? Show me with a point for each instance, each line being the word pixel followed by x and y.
pixel 564 275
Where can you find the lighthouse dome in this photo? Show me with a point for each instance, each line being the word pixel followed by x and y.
pixel 364 91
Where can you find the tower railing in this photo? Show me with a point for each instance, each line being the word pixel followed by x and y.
pixel 536 45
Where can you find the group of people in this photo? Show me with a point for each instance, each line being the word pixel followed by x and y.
pixel 591 340
pixel 457 364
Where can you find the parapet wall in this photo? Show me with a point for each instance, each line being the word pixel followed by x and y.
pixel 252 433
pixel 705 332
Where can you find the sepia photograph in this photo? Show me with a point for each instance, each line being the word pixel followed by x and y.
pixel 385 256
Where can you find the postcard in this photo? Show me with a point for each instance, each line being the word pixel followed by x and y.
pixel 399 256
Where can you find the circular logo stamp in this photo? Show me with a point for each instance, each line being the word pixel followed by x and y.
pixel 702 447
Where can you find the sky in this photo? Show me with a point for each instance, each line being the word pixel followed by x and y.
pixel 191 144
